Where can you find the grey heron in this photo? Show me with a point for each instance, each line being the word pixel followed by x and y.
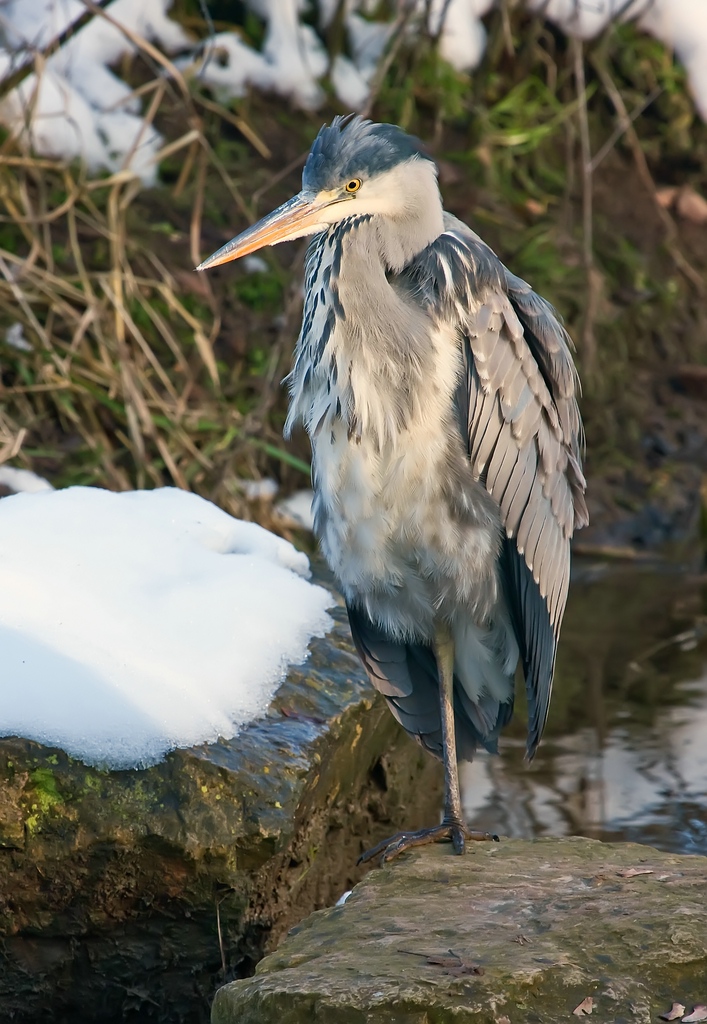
pixel 440 397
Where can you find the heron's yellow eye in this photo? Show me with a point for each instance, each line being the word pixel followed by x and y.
pixel 353 185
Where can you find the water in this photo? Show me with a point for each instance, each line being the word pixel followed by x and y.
pixel 624 755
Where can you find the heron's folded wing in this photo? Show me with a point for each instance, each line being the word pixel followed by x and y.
pixel 406 674
pixel 517 400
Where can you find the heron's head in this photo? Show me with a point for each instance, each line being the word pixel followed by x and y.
pixel 354 168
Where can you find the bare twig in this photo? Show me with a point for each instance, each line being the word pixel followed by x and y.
pixel 198 208
pixel 276 178
pixel 209 45
pixel 397 36
pixel 589 350
pixel 141 43
pixel 12 448
pixel 644 172
pixel 623 126
pixel 220 936
pixel 246 130
pixel 506 25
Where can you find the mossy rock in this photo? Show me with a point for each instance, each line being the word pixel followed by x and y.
pixel 515 932
pixel 114 885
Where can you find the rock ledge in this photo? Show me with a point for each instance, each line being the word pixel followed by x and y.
pixel 514 932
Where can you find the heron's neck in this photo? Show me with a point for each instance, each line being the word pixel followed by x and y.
pixel 365 355
pixel 400 238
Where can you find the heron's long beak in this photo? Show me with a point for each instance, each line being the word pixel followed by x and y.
pixel 297 217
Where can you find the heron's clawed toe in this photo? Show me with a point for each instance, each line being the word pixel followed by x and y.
pixel 455 832
pixel 382 847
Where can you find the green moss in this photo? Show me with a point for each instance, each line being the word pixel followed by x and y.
pixel 94 780
pixel 41 796
pixel 45 792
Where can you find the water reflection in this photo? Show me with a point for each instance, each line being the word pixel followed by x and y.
pixel 625 752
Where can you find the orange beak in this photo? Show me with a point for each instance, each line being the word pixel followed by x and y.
pixel 297 217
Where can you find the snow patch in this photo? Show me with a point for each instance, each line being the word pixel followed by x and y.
pixel 349 84
pixel 259 490
pixel 680 25
pixel 77 107
pixel 254 264
pixel 462 36
pixel 297 509
pixel 15 337
pixel 23 480
pixel 292 60
pixel 136 622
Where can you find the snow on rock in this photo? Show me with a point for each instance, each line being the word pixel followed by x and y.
pixel 136 622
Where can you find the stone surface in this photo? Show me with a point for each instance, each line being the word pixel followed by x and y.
pixel 513 933
pixel 114 885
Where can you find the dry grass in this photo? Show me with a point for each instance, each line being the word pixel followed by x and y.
pixel 119 385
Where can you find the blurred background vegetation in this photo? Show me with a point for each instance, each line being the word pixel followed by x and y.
pixel 583 166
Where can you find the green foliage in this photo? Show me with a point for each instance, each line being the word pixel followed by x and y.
pixel 440 85
pixel 259 291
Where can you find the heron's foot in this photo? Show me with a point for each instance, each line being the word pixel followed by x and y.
pixel 455 832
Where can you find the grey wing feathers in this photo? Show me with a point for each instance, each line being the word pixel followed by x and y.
pixel 518 392
pixel 406 675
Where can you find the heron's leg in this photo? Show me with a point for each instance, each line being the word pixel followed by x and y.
pixel 444 653
pixel 453 828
